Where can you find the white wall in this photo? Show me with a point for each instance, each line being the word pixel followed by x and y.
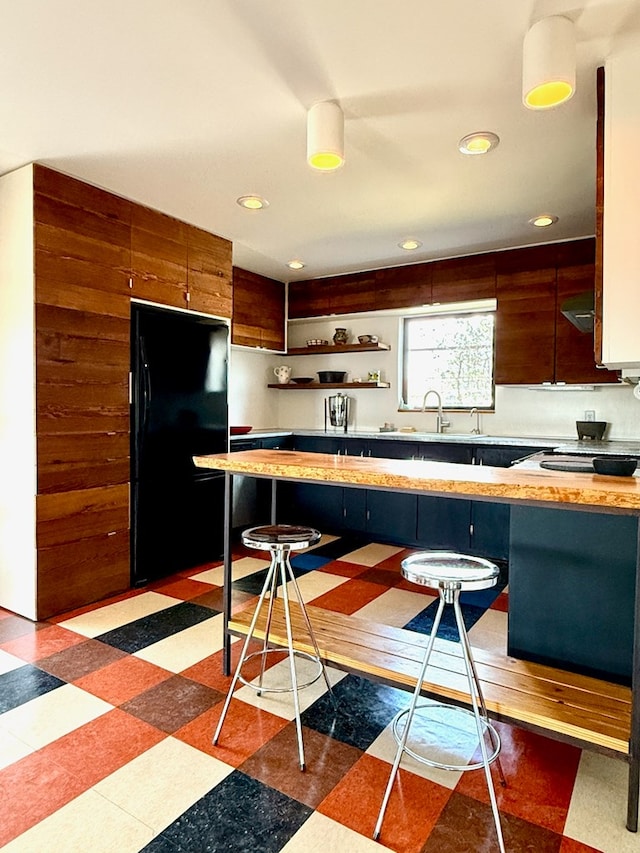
pixel 251 403
pixel 17 395
pixel 518 412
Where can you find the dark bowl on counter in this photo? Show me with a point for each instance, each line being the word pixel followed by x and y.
pixel 591 429
pixel 615 466
pixel 332 376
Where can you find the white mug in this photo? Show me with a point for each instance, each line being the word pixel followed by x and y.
pixel 283 373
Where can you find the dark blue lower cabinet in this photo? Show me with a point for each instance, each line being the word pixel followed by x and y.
pixel 312 504
pixel 444 523
pixel 391 516
pixel 354 505
pixel 561 561
pixel 490 530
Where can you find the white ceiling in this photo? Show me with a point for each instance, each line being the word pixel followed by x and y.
pixel 184 105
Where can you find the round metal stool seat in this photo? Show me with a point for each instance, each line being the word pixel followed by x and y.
pixel 291 536
pixel 436 725
pixel 446 570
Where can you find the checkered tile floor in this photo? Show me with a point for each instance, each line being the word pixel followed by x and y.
pixel 107 714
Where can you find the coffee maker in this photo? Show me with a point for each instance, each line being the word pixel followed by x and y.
pixel 336 411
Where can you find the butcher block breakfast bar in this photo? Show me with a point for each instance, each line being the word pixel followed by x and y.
pixel 590 712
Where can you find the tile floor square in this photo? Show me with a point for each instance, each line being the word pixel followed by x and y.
pixel 172 703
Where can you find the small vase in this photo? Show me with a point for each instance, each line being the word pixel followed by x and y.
pixel 341 336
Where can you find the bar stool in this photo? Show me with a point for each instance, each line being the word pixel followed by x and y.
pixel 450 574
pixel 279 540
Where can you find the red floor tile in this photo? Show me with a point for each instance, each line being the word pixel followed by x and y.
pixel 343 568
pixel 540 776
pixel 102 746
pixel 349 596
pixel 41 644
pixel 209 670
pixel 501 603
pixel 122 680
pixel 183 588
pixel 414 806
pixel 32 789
pixel 245 730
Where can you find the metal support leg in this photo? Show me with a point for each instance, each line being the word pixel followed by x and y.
pixel 292 660
pixel 473 685
pixel 226 576
pixel 412 708
pixel 267 629
pixel 243 654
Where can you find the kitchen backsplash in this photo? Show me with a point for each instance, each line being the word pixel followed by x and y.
pixel 519 411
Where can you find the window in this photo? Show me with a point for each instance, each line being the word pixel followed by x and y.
pixel 451 353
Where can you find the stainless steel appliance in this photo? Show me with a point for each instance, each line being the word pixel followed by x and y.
pixel 179 409
pixel 336 411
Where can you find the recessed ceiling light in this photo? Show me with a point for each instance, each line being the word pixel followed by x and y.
pixel 543 220
pixel 295 265
pixel 410 244
pixel 252 202
pixel 480 142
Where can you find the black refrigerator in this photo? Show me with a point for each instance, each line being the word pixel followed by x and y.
pixel 179 366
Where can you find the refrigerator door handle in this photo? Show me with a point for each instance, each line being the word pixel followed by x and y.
pixel 146 386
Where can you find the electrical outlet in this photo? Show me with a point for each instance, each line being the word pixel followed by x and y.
pixel 590 415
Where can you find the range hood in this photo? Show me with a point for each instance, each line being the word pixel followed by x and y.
pixel 579 310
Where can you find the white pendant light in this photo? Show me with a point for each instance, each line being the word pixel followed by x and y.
pixel 549 63
pixel 325 136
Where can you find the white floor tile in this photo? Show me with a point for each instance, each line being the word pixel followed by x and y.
pixel 395 607
pixel 239 569
pixel 325 539
pixel 11 749
pixel 370 555
pixel 320 834
pixel 9 662
pixel 598 809
pixel 313 584
pixel 115 615
pixel 490 632
pixel 186 648
pixel 88 823
pixel 278 676
pixel 52 715
pixel 159 785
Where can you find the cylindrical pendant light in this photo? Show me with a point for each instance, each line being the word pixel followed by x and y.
pixel 549 63
pixel 325 136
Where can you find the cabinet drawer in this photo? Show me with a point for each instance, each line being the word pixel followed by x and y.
pixel 70 516
pixel 73 574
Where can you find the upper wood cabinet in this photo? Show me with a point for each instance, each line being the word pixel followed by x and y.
pixel 525 325
pixel 258 311
pixel 209 274
pixel 464 279
pixel 158 257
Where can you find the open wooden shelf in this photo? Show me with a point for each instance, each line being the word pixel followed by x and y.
pixel 333 348
pixel 292 386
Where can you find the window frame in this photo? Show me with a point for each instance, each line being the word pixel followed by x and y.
pixel 450 311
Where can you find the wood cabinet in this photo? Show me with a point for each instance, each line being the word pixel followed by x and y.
pixel 463 279
pixel 83 254
pixel 258 311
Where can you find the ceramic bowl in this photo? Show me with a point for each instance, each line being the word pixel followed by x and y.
pixel 240 430
pixel 367 339
pixel 302 380
pixel 620 466
pixel 332 376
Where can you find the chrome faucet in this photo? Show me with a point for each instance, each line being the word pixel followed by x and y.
pixel 476 429
pixel 441 424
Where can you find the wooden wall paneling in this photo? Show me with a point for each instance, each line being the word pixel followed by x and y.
pixel 598 278
pixel 81 514
pixel 353 292
pixel 309 298
pixel 575 360
pixel 209 273
pixel 158 257
pixel 402 287
pixel 525 327
pixel 464 279
pixel 56 185
pixel 74 574
pixel 82 366
pixel 81 460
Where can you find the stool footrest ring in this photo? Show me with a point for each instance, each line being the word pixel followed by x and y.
pixel 449 718
pixel 266 689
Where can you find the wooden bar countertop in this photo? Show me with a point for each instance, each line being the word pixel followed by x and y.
pixel 481 482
